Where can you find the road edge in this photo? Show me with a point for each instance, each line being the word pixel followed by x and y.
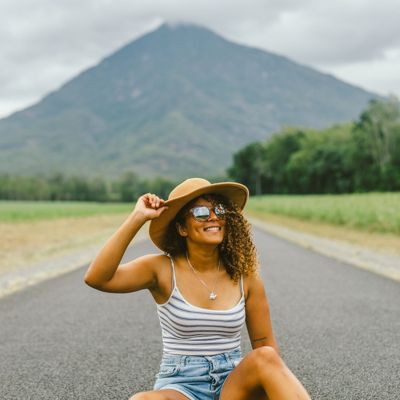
pixel 15 281
pixel 378 263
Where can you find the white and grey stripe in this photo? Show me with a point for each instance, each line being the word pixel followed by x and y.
pixel 191 330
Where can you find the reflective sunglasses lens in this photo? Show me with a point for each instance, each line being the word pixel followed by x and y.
pixel 219 211
pixel 201 213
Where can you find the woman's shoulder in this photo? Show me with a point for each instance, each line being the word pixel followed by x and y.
pixel 156 260
pixel 250 280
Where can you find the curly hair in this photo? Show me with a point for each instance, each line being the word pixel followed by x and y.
pixel 237 250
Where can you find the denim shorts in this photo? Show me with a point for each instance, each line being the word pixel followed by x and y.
pixel 196 377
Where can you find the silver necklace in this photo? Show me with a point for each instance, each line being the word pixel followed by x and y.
pixel 212 294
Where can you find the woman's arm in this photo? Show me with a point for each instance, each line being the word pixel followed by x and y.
pixel 258 319
pixel 105 272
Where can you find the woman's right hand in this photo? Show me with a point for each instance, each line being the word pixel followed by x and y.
pixel 149 206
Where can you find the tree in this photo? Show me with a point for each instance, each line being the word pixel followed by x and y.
pixel 377 136
pixel 160 186
pixel 128 187
pixel 248 167
pixel 278 150
pixel 321 164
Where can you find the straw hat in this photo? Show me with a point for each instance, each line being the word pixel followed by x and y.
pixel 187 191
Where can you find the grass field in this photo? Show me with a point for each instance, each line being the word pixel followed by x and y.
pixel 372 212
pixel 33 232
pixel 14 211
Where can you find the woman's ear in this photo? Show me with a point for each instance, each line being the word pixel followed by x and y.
pixel 181 229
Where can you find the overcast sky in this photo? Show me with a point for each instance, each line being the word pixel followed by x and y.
pixel 43 43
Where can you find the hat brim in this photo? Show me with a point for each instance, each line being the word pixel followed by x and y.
pixel 236 192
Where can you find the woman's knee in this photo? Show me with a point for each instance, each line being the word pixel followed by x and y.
pixel 265 356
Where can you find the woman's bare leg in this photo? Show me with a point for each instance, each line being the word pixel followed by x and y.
pixel 263 375
pixel 164 394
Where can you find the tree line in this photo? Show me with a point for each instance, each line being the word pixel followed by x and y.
pixel 60 187
pixel 355 157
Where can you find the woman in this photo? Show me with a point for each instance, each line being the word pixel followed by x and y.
pixel 206 286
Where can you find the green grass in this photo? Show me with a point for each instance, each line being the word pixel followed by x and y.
pixel 375 212
pixel 15 211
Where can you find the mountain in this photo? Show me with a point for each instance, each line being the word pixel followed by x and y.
pixel 176 102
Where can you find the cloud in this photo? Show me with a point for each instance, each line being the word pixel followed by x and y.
pixel 44 43
pixel 338 32
pixel 382 74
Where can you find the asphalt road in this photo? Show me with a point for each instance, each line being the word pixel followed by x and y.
pixel 338 329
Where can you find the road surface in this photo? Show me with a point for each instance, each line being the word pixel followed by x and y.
pixel 338 328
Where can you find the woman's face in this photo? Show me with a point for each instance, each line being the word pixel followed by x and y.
pixel 210 231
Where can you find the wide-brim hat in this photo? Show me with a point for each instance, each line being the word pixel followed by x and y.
pixel 187 191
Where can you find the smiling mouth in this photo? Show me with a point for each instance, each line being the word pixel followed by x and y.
pixel 212 229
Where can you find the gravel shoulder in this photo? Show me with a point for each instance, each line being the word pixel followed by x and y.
pixel 381 263
pixel 61 255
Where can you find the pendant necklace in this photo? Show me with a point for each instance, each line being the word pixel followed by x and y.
pixel 212 294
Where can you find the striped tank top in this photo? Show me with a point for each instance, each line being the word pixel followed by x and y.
pixel 191 330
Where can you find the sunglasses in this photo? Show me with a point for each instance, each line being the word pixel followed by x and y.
pixel 203 213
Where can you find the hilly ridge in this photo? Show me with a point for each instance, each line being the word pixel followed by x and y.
pixel 176 102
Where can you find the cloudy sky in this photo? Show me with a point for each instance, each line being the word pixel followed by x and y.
pixel 43 43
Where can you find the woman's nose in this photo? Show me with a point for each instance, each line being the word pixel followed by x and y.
pixel 212 216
